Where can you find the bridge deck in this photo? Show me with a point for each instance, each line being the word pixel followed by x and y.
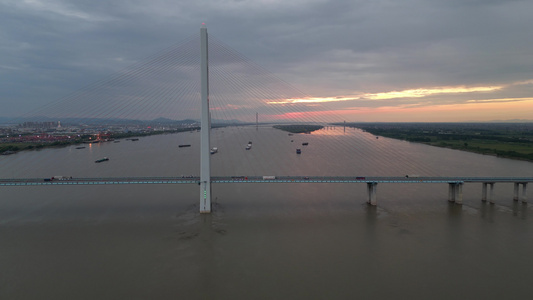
pixel 255 179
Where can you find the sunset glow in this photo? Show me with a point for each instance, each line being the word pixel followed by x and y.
pixel 411 93
pixel 470 110
pixel 417 93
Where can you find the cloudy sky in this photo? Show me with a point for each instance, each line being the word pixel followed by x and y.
pixel 378 60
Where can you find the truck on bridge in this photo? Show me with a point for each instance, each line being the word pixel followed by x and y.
pixel 412 176
pixel 59 177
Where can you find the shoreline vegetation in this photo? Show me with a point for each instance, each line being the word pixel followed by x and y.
pixel 509 140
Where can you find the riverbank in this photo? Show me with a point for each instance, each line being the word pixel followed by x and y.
pixel 509 140
pixel 9 148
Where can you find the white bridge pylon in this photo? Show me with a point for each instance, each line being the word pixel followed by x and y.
pixel 205 155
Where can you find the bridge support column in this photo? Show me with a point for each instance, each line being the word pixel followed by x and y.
pixel 205 155
pixel 459 193
pixel 491 192
pixel 205 197
pixel 451 192
pixel 516 194
pixel 372 190
pixel 455 192
pixel 524 192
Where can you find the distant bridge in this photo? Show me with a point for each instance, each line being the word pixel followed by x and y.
pixel 454 195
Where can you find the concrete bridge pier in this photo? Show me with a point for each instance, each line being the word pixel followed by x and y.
pixel 451 192
pixel 491 193
pixel 524 192
pixel 516 195
pixel 484 192
pixel 459 193
pixel 516 189
pixel 455 192
pixel 372 190
pixel 205 132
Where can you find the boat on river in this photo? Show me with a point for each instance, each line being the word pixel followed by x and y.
pixel 101 160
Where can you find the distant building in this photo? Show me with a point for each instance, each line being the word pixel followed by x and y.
pixel 40 125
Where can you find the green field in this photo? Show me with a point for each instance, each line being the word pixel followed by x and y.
pixel 15 147
pixel 510 140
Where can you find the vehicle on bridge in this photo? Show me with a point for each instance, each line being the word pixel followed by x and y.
pixel 58 178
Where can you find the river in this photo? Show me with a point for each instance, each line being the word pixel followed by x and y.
pixel 262 241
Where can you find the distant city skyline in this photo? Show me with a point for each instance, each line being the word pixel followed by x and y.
pixel 362 61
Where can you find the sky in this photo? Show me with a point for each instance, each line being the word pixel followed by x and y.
pixel 367 61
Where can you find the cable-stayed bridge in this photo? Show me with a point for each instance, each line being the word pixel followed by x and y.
pixel 230 88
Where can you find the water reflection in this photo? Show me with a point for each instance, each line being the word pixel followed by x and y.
pixel 335 131
pixel 488 211
pixel 455 236
pixel 371 218
pixel 454 211
pixel 520 209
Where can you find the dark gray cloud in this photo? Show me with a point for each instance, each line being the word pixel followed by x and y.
pixel 325 48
